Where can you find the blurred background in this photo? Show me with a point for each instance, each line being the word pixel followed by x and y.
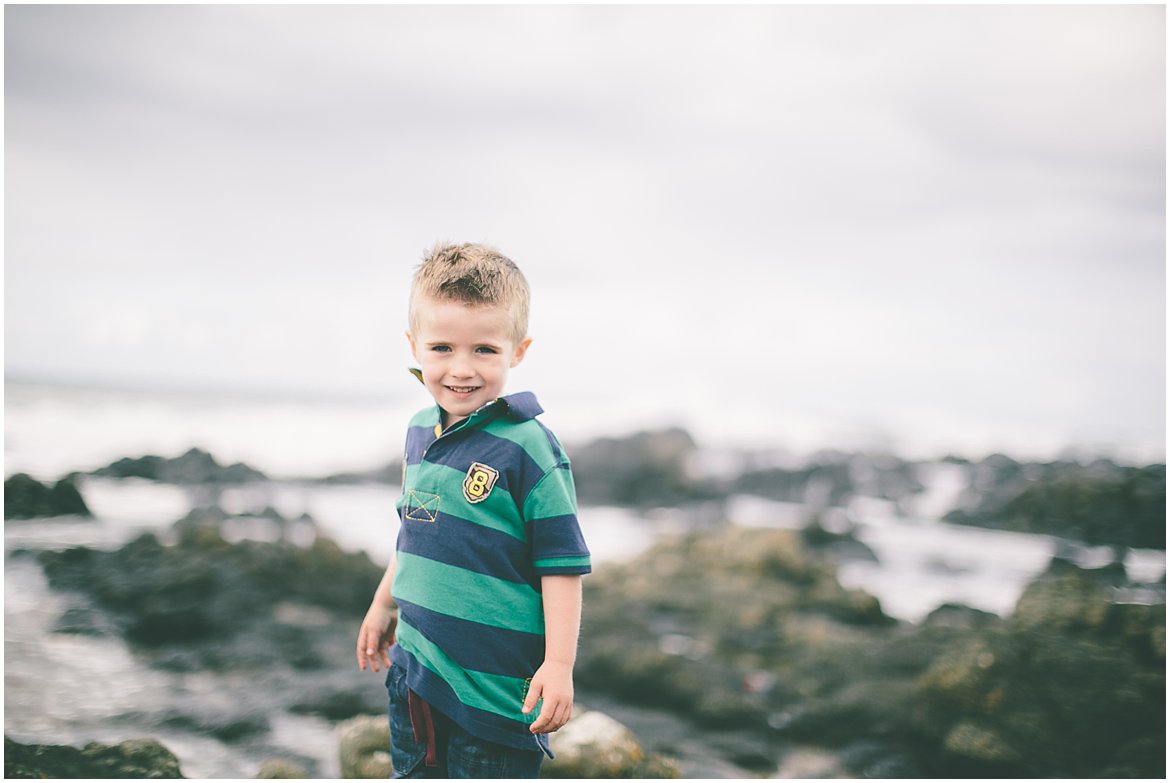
pixel 881 289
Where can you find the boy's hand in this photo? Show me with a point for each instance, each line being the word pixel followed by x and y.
pixel 552 682
pixel 375 637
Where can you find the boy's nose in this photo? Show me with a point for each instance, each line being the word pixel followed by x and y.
pixel 461 368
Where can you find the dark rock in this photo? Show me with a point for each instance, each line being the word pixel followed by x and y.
pixel 138 758
pixel 391 473
pixel 340 705
pixel 207 603
pixel 764 595
pixel 1062 689
pixel 834 479
pixel 84 621
pixel 232 727
pixel 27 498
pixel 960 616
pixel 1039 704
pixel 1064 599
pixel 1099 503
pixel 766 642
pixel 194 467
pixel 644 469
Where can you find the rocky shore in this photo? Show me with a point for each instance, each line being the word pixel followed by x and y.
pixel 278 617
pixel 748 634
pixel 1099 502
pixel 144 758
pixel 727 651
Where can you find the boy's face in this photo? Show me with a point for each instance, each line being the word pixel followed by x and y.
pixel 465 352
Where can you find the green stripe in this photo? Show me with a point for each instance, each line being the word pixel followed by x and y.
pixel 428 417
pixel 553 496
pixel 561 562
pixel 498 511
pixel 464 594
pixel 475 689
pixel 529 436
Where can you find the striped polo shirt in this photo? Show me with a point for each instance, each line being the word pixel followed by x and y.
pixel 487 509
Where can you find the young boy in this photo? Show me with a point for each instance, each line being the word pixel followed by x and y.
pixel 477 616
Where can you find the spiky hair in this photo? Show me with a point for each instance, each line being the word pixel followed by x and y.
pixel 473 274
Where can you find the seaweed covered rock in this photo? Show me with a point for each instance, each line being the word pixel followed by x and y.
pixel 1071 686
pixel 206 603
pixel 718 626
pixel 137 758
pixel 748 631
pixel 1098 503
pixel 27 498
pixel 194 467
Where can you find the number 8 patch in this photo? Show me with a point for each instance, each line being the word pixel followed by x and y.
pixel 479 482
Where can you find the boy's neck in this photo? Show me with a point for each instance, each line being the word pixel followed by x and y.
pixel 447 420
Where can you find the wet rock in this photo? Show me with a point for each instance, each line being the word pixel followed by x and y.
pixel 136 758
pixel 194 467
pixel 593 745
pixel 644 469
pixel 1064 599
pixel 364 744
pixel 749 629
pixel 1098 503
pixel 960 616
pixel 281 768
pixel 230 728
pixel 391 473
pixel 336 705
pixel 844 546
pixel 27 498
pixel 1062 689
pixel 206 603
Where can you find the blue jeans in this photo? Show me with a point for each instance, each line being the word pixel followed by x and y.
pixel 459 754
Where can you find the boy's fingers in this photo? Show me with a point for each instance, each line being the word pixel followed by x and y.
pixel 532 698
pixel 552 717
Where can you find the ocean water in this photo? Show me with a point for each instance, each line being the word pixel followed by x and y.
pixel 76 689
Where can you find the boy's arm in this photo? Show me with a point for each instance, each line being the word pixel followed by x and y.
pixel 377 631
pixel 553 681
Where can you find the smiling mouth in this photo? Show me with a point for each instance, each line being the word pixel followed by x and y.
pixel 462 389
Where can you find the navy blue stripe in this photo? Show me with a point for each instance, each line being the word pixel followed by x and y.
pixel 556 537
pixel 417 441
pixel 487 725
pixel 475 646
pixel 469 546
pixel 566 570
pixel 518 471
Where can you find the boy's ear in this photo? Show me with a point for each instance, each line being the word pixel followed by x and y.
pixel 410 339
pixel 521 349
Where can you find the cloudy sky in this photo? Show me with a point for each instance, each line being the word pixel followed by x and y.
pixel 926 226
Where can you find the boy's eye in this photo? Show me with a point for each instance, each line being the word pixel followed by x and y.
pixel 441 348
pixel 485 349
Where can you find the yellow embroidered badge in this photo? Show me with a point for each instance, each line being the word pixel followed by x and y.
pixel 479 482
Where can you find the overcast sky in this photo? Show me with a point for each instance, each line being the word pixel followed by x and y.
pixel 916 224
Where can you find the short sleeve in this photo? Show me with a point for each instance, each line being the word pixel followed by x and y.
pixel 550 511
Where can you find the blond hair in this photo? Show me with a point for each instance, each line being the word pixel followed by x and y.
pixel 473 274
